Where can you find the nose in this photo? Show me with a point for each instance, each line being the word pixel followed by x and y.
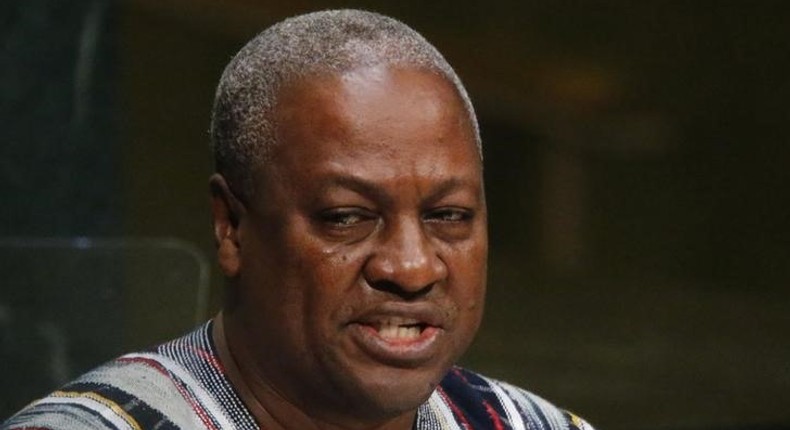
pixel 405 262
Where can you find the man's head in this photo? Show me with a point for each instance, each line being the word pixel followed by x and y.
pixel 329 42
pixel 357 260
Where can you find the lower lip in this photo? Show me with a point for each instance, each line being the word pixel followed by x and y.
pixel 397 352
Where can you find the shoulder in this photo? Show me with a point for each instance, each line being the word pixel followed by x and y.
pixel 112 396
pixel 176 385
pixel 475 401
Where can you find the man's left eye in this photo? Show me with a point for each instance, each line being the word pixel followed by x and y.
pixel 449 215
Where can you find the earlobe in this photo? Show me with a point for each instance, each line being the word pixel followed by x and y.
pixel 229 258
pixel 226 213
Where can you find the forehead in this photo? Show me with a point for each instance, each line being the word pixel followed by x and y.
pixel 380 112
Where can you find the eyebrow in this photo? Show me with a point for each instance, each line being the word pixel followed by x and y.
pixel 368 188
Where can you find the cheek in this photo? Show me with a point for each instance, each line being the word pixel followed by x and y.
pixel 468 271
pixel 333 284
pixel 467 261
pixel 335 268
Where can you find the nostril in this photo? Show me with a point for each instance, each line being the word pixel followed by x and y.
pixel 400 291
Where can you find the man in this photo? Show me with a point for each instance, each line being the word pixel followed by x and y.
pixel 350 222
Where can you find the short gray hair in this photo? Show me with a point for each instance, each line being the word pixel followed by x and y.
pixel 335 41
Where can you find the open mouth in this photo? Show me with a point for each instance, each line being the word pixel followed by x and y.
pixel 406 339
pixel 399 329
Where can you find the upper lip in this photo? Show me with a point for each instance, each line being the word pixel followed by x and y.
pixel 402 314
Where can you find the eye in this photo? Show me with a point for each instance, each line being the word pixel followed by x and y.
pixel 450 223
pixel 449 215
pixel 343 217
pixel 346 223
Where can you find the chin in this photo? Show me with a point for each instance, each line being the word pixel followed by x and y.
pixel 392 392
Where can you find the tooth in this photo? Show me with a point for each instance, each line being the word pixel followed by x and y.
pixel 388 331
pixel 398 328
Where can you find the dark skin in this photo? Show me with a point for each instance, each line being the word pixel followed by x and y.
pixel 359 263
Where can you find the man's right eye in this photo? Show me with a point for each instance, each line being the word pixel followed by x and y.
pixel 346 224
pixel 345 217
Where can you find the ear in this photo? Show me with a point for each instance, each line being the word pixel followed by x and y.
pixel 227 212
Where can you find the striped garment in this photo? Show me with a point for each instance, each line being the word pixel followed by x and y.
pixel 182 385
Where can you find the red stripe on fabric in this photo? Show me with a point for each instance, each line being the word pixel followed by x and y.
pixel 210 358
pixel 457 372
pixel 498 425
pixel 201 413
pixel 456 410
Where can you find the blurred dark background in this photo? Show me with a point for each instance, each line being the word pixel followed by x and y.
pixel 636 166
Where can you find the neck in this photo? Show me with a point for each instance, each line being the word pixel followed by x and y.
pixel 271 410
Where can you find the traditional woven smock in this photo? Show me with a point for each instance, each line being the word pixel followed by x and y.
pixel 182 385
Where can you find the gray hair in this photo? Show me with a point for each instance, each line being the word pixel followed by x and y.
pixel 336 41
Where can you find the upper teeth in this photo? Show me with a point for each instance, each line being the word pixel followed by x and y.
pixel 399 332
pixel 399 328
